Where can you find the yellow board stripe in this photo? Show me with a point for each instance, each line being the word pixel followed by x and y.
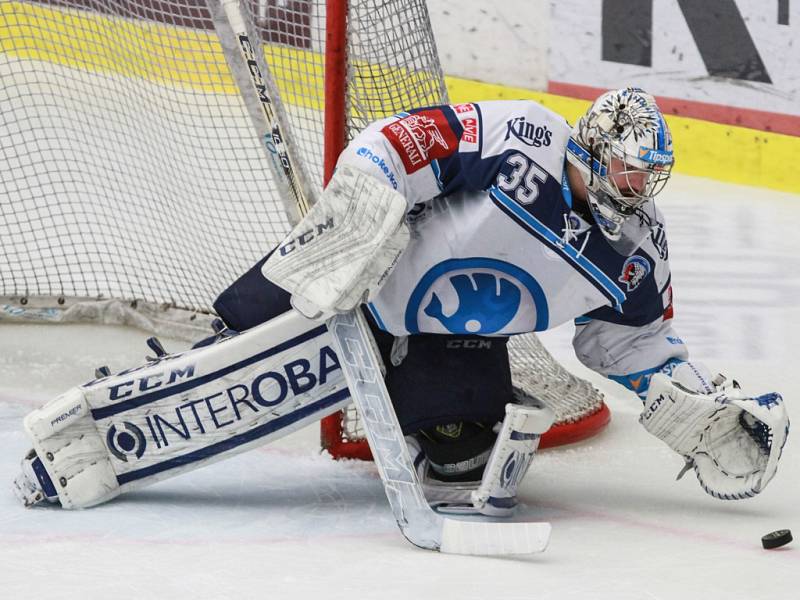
pixel 84 40
pixel 135 48
pixel 180 57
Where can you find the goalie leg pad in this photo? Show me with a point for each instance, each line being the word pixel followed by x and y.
pixel 74 457
pixel 175 414
pixel 511 458
pixel 495 494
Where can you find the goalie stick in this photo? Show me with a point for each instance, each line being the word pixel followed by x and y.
pixel 418 522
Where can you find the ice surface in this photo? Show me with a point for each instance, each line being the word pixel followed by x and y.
pixel 287 522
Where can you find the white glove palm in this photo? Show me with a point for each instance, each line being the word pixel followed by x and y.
pixel 733 442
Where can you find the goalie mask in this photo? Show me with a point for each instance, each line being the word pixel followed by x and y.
pixel 622 148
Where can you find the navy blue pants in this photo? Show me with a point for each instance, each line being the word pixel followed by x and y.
pixel 443 378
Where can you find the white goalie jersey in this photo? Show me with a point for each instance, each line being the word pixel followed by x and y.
pixel 496 248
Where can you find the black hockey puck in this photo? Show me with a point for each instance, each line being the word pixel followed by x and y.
pixel 776 539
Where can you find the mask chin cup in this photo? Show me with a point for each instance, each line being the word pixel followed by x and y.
pixel 624 233
pixel 606 215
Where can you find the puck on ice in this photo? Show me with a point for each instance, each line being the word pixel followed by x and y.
pixel 776 539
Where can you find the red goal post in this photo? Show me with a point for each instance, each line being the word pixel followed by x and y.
pixel 579 407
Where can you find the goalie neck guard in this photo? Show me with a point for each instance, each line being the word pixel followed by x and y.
pixel 622 148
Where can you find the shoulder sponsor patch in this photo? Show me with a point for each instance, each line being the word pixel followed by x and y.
pixel 467 115
pixel 379 162
pixel 421 138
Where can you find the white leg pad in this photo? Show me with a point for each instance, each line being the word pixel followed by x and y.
pixel 66 439
pixel 173 415
pixel 511 457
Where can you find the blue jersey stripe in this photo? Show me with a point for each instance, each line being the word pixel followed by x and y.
pixel 585 266
pixel 437 172
pixel 377 316
pixel 639 382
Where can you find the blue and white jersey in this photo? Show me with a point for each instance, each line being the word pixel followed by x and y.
pixel 496 248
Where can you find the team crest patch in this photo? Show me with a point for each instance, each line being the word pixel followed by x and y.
pixel 476 295
pixel 634 270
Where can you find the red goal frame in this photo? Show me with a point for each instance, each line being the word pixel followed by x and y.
pixel 331 428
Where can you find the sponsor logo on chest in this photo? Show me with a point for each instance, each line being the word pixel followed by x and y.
pixel 528 133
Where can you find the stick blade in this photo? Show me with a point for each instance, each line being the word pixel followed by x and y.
pixel 482 538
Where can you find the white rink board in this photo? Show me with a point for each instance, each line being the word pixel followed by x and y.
pixel 285 522
pixel 678 69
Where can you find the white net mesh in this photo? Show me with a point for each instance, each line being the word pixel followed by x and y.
pixel 536 372
pixel 130 166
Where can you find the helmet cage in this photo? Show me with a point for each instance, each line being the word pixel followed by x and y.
pixel 630 180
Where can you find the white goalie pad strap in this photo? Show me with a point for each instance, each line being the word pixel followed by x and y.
pixel 33 485
pixel 344 248
pixel 733 442
pixel 185 410
pixel 511 457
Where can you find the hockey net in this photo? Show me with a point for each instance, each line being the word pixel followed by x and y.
pixel 132 176
pixel 578 405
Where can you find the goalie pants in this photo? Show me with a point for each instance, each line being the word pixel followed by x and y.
pixel 442 379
